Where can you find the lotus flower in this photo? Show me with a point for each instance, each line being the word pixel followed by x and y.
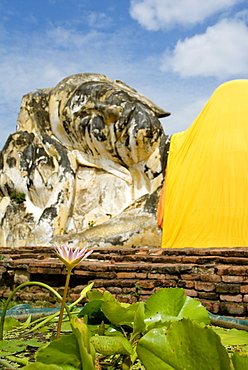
pixel 70 256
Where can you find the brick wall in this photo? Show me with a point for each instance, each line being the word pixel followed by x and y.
pixel 216 277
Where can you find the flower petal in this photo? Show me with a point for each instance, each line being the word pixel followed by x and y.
pixel 71 257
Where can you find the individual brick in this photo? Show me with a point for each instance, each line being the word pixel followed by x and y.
pixel 207 287
pixel 210 278
pixel 232 279
pixel 208 295
pixel 232 309
pixel 231 298
pixel 191 293
pixel 227 288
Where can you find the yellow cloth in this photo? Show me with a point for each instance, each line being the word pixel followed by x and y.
pixel 206 202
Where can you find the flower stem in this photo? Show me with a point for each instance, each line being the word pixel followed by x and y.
pixel 40 322
pixel 6 364
pixel 14 292
pixel 63 303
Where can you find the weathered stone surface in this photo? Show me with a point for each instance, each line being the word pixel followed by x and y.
pixel 134 227
pixel 88 156
pixel 21 277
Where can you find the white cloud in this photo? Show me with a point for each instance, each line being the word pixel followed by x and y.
pixel 220 52
pixel 71 38
pixel 164 14
pixel 99 20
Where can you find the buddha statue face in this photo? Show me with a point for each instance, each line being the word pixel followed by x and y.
pixel 110 119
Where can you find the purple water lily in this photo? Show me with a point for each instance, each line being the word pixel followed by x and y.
pixel 71 256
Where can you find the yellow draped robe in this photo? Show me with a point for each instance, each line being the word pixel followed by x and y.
pixel 206 199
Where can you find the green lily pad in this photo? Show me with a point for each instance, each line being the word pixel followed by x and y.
pixel 167 305
pixel 10 347
pixel 232 337
pixel 117 314
pixel 63 351
pixel 185 345
pixel 240 362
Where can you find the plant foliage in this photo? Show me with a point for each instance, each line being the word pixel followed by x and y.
pixel 169 331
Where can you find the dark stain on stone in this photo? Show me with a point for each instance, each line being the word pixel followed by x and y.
pixel 49 213
pixel 11 161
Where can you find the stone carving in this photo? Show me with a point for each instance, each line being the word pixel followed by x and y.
pixel 88 155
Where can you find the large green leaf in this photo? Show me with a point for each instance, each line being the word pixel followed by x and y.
pixel 98 295
pixel 139 319
pixel 95 295
pixel 108 297
pixel 194 310
pixel 186 345
pixel 63 351
pixel 117 314
pixel 11 323
pixel 111 345
pixel 240 362
pixel 167 305
pixel 93 310
pixel 86 349
pixel 150 350
pixel 232 337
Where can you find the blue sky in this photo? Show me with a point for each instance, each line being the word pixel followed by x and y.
pixel 174 52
